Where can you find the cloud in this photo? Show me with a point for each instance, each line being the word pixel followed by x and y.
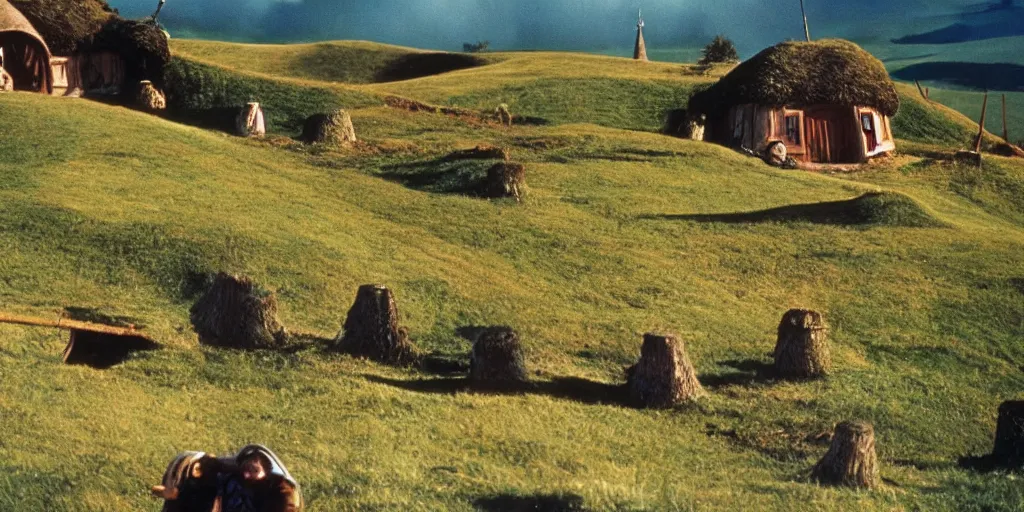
pixel 508 24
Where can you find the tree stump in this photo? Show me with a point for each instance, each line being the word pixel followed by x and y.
pixel 333 128
pixel 851 460
pixel 150 98
pixel 775 154
pixel 1009 447
pixel 503 115
pixel 371 329
pixel 802 347
pixel 664 376
pixel 497 361
pixel 236 313
pixel 250 122
pixel 506 179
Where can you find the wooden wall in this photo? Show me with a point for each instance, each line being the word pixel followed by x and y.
pixel 830 134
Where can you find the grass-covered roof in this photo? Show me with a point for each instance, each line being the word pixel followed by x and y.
pixel 11 20
pixel 65 25
pixel 800 74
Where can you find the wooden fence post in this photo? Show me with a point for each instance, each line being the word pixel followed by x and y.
pixel 981 124
pixel 1006 132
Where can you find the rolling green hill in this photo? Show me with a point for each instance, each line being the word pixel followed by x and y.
pixel 106 211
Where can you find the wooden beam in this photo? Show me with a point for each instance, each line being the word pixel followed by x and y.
pixel 1006 132
pixel 67 324
pixel 920 89
pixel 981 124
pixel 807 29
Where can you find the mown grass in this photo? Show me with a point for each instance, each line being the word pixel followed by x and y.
pixel 113 211
pixel 210 96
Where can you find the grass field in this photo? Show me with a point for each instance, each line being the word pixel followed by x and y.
pixel 113 212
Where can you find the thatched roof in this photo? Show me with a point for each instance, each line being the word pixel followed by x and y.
pixel 801 74
pixel 12 20
pixel 65 25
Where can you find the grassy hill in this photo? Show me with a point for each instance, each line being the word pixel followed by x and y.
pixel 109 212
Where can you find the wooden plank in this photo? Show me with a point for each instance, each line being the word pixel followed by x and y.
pixel 825 127
pixel 1006 132
pixel 981 124
pixel 68 324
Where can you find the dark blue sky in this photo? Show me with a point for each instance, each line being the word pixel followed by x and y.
pixel 537 24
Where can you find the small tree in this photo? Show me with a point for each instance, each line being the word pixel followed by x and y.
pixel 477 47
pixel 719 51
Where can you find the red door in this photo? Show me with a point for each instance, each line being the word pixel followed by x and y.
pixel 828 134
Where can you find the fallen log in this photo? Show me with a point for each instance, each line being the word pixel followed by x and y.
pixel 69 325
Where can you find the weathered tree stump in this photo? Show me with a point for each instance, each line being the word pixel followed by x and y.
pixel 497 361
pixel 250 121
pixel 503 115
pixel 1009 447
pixel 333 128
pixel 802 347
pixel 506 179
pixel 851 460
pixel 236 313
pixel 371 329
pixel 664 376
pixel 150 98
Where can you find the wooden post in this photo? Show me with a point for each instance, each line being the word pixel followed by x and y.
pixel 920 89
pixel 67 324
pixel 807 30
pixel 1006 131
pixel 981 124
pixel 927 93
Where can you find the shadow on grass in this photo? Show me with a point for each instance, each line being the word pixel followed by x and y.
pixel 418 65
pixel 444 364
pixel 748 372
pixel 565 388
pixel 875 208
pixel 441 175
pixel 536 503
pixel 990 463
pixel 619 155
pixel 93 315
pixel 102 351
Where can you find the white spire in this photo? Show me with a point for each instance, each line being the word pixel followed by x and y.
pixel 640 15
